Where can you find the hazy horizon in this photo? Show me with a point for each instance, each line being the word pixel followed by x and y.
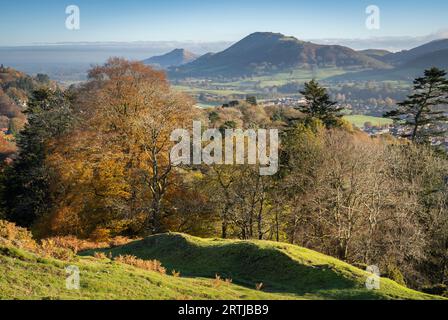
pixel 30 22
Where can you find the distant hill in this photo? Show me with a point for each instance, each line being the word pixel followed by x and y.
pixel 269 53
pixel 437 59
pixel 403 57
pixel 407 64
pixel 174 58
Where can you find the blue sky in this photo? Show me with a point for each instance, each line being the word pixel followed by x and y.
pixel 31 21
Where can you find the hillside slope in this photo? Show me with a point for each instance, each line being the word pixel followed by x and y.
pixel 282 268
pixel 25 276
pixel 268 53
pixel 406 56
pixel 404 72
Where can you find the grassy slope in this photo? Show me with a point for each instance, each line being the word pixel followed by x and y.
pixel 282 268
pixel 25 276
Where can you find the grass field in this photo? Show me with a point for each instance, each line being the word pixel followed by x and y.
pixel 286 272
pixel 360 120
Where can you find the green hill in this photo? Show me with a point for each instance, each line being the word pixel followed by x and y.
pixel 25 276
pixel 286 272
pixel 282 268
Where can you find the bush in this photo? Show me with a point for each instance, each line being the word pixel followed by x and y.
pixel 393 273
pixel 11 235
pixel 78 245
pixel 50 248
pixel 150 265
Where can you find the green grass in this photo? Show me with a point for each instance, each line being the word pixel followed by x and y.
pixel 28 277
pixel 360 120
pixel 283 269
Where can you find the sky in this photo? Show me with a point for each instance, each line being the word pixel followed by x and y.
pixel 29 21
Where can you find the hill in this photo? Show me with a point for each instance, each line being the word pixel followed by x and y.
pixel 282 268
pixel 174 58
pixel 433 59
pixel 27 276
pixel 404 72
pixel 269 53
pixel 406 56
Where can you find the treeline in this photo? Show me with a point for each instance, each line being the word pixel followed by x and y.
pixel 94 161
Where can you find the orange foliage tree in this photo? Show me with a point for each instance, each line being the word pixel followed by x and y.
pixel 113 171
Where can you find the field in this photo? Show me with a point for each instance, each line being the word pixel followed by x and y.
pixel 360 120
pixel 255 84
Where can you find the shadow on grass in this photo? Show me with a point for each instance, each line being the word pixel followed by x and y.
pixel 247 264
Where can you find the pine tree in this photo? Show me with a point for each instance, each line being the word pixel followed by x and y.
pixel 424 114
pixel 25 185
pixel 318 104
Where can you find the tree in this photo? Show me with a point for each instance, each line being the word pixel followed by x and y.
pixel 119 160
pixel 26 193
pixel 424 110
pixel 252 100
pixel 318 104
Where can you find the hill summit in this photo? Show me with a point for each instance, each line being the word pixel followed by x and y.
pixel 175 58
pixel 268 53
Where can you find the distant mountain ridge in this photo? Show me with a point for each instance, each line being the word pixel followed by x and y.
pixel 407 64
pixel 268 53
pixel 406 56
pixel 174 58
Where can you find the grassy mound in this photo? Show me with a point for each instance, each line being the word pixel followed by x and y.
pixel 282 268
pixel 26 276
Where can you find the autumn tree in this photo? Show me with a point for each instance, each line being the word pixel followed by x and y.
pixel 122 144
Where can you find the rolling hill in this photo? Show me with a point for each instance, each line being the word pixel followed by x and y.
pixel 174 58
pixel 270 53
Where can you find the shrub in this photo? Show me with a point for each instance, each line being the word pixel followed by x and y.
pixel 78 245
pixel 100 255
pixel 217 281
pixel 49 248
pixel 11 235
pixel 393 273
pixel 100 235
pixel 150 265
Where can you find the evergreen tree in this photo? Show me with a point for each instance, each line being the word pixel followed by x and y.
pixel 318 104
pixel 424 112
pixel 25 184
pixel 252 100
